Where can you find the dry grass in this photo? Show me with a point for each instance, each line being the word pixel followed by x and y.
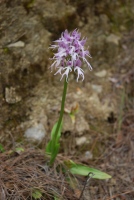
pixel 23 174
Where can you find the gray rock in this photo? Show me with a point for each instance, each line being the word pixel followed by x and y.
pixel 88 155
pixel 113 39
pixel 80 141
pixel 11 96
pixel 101 74
pixel 97 88
pixel 17 44
pixel 36 133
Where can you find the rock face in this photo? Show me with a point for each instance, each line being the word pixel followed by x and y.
pixel 27 28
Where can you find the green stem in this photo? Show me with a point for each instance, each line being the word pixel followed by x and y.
pixel 61 115
pixel 62 107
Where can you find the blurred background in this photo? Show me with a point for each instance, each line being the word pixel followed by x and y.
pixel 101 130
pixel 31 95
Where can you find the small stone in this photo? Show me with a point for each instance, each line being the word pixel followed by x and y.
pixel 113 39
pixel 88 155
pixel 36 133
pixel 97 88
pixel 80 141
pixel 81 24
pixel 17 44
pixel 11 96
pixel 101 74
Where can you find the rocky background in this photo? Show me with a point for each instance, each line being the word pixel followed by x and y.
pixel 30 95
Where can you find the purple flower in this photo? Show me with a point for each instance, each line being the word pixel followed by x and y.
pixel 70 54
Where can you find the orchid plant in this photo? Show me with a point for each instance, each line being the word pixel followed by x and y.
pixel 70 53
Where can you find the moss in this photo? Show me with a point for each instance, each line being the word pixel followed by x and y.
pixel 124 17
pixel 28 5
pixel 6 50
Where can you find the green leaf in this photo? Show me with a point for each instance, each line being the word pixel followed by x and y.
pixel 53 145
pixel 54 153
pixel 19 150
pixel 84 170
pixel 1 148
pixel 36 194
pixel 56 198
pixel 54 130
pixel 50 148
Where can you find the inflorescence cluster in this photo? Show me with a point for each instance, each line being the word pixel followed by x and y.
pixel 70 54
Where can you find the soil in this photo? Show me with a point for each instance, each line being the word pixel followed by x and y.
pixel 102 133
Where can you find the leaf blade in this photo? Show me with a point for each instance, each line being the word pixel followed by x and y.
pixel 83 170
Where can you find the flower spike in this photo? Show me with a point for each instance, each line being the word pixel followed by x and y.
pixel 70 54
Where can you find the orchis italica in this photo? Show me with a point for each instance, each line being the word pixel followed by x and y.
pixel 68 57
pixel 70 54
